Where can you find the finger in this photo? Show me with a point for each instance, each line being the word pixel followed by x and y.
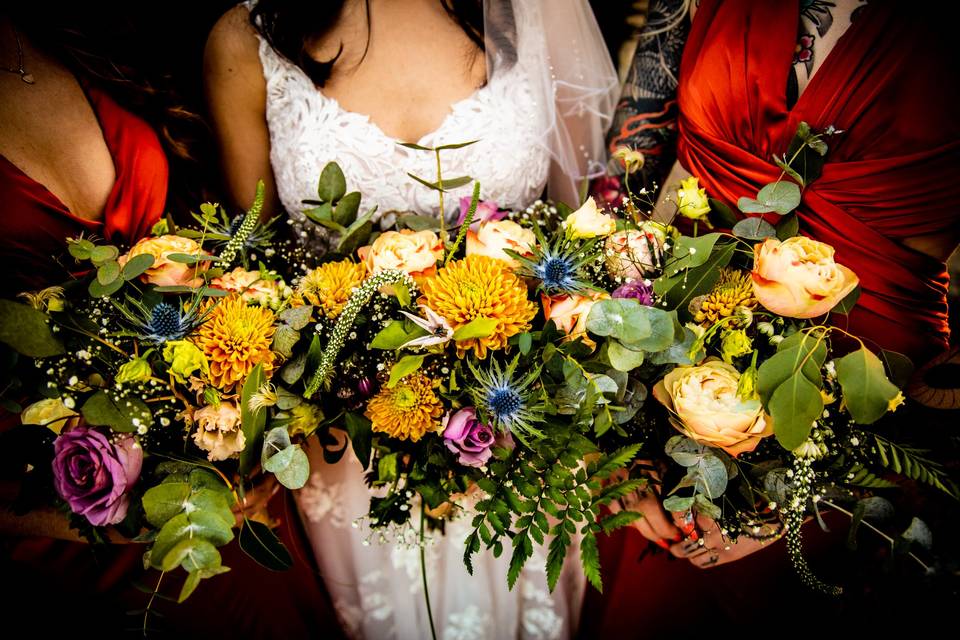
pixel 687 549
pixel 706 560
pixel 647 531
pixel 653 512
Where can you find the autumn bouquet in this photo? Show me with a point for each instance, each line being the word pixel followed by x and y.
pixel 775 411
pixel 144 390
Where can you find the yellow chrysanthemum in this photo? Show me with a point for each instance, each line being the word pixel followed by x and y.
pixel 236 338
pixel 328 286
pixel 734 289
pixel 408 410
pixel 480 287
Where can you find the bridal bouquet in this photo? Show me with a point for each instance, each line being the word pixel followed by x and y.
pixel 480 369
pixel 143 389
pixel 775 412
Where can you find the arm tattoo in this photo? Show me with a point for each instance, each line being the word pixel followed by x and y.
pixel 646 115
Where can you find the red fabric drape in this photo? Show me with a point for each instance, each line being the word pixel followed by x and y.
pixel 891 84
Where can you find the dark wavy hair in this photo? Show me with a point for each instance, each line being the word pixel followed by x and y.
pixel 289 25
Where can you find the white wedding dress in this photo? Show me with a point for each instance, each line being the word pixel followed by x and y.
pixel 376 584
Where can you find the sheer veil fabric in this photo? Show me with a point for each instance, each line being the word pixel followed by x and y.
pixel 549 97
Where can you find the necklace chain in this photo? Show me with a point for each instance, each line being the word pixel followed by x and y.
pixel 20 70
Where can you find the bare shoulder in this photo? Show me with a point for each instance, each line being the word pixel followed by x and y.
pixel 232 45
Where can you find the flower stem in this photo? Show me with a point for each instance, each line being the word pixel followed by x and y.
pixel 423 567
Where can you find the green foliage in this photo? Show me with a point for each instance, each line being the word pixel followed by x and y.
pixel 287 461
pixel 251 422
pixel 404 367
pixel 26 330
pixel 260 543
pixel 779 197
pixel 107 408
pixel 637 327
pixel 867 393
pixel 912 463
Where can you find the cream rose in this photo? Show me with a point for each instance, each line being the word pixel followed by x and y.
pixel 250 285
pixel 798 277
pixel 704 399
pixel 165 272
pixel 496 235
pixel 589 222
pixel 569 313
pixel 51 413
pixel 633 254
pixel 413 252
pixel 218 431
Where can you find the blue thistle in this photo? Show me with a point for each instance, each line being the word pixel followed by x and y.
pixel 164 321
pixel 559 266
pixel 507 403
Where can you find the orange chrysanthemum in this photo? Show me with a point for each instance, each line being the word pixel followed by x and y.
pixel 236 338
pixel 328 286
pixel 480 287
pixel 408 410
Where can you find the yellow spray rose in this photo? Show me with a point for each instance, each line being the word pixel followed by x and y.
pixel 136 370
pixel 799 278
pixel 709 409
pixel 51 413
pixel 166 272
pixel 185 359
pixel 493 236
pixel 692 200
pixel 589 222
pixel 631 159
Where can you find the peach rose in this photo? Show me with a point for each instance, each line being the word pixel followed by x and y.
pixel 589 222
pixel 496 235
pixel 218 431
pixel 798 277
pixel 413 252
pixel 569 313
pixel 633 254
pixel 250 285
pixel 165 272
pixel 704 399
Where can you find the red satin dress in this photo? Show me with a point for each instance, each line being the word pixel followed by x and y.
pixel 891 84
pixel 58 585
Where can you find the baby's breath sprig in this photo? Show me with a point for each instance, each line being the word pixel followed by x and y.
pixel 357 301
pixel 250 221
pixel 803 478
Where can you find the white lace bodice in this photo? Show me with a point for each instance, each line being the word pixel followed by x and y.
pixel 309 129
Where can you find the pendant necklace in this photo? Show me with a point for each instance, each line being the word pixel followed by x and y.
pixel 20 71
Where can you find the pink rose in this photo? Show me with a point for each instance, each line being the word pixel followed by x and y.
pixel 472 440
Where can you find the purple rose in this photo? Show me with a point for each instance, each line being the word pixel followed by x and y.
pixel 637 290
pixel 94 475
pixel 466 435
pixel 486 210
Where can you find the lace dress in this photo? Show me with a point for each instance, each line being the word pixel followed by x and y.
pixel 376 584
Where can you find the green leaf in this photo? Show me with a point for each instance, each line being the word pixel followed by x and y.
pixel 323 215
pixel 136 266
pixel 615 460
pixel 97 290
pixel 404 367
pixel 184 526
pixel 80 248
pixel 621 358
pixel 476 328
pixel 678 504
pixel 722 215
pixel 345 212
pixel 396 334
pixel 414 146
pixel 332 185
pixel 448 184
pixel 458 145
pixel 359 430
pixel 189 585
pixel 260 543
pixel 418 223
pixel 164 501
pixel 356 234
pixel 297 317
pixel 108 272
pixel 685 451
pixel 689 252
pixel 277 450
pixel 522 550
pixel 104 253
pixel 297 471
pixel 754 229
pixel 679 289
pixel 387 467
pixel 189 258
pixel 590 559
pixel 251 422
pixel 899 367
pixel 788 227
pixel 794 407
pixel 556 556
pixel 790 171
pixel 525 342
pixel 780 197
pixel 192 554
pixel 614 521
pixel 802 350
pixel 711 479
pixel 122 414
pixel 866 390
pixel 285 339
pixel 26 331
pixel 848 303
pixel 638 327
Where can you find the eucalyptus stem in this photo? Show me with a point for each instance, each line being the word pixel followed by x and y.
pixel 423 567
pixel 883 535
pixel 443 214
pixel 146 612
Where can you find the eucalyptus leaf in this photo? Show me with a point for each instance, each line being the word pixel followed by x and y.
pixel 192 554
pixel 722 215
pixel 284 340
pixel 293 370
pixel 794 406
pixel 356 234
pixel 788 227
pixel 98 290
pixel 259 542
pixel 332 185
pixel 457 145
pixel 678 504
pixel 345 213
pixel 104 253
pixel 684 451
pixel 26 331
pixel 867 393
pixel 754 229
pixel 108 272
pixel 122 414
pixel 136 266
pixel 287 399
pixel 919 533
pixel 711 476
pixel 418 223
pixel 621 358
pixel 295 474
pixel 297 317
pixel 164 501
